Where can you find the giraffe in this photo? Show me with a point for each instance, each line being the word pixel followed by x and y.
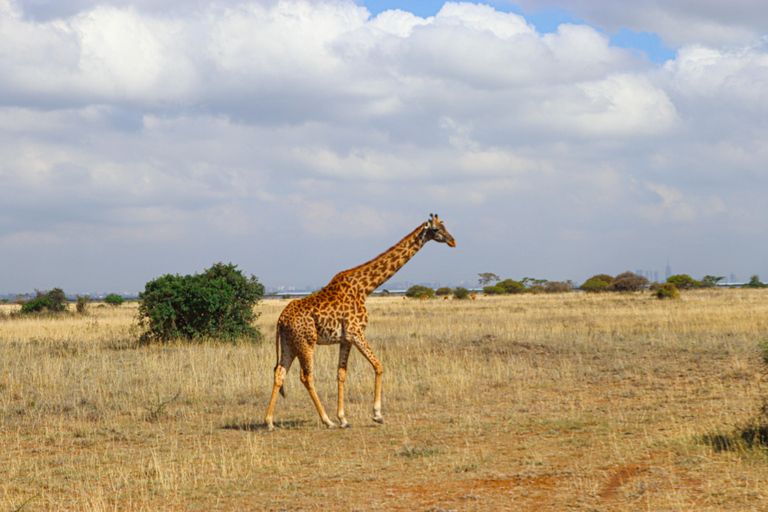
pixel 337 314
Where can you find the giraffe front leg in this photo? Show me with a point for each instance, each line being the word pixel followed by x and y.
pixel 362 345
pixel 343 357
pixel 377 391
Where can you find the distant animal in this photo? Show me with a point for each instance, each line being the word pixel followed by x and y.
pixel 445 298
pixel 423 297
pixel 473 296
pixel 337 314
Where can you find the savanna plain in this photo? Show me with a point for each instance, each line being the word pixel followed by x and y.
pixel 593 402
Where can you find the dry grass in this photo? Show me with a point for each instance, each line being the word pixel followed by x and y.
pixel 533 402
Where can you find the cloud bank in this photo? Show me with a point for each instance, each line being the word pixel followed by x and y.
pixel 300 138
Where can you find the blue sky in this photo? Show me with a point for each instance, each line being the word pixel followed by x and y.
pixel 546 20
pixel 298 138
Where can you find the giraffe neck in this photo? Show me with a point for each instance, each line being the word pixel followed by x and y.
pixel 369 276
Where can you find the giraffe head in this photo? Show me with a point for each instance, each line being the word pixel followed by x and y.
pixel 435 230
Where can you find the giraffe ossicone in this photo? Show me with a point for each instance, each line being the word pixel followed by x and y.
pixel 337 314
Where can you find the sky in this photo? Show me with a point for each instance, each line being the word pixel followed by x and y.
pixel 556 139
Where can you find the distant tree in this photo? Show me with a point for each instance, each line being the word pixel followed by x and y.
pixel 628 282
pixel 754 282
pixel 493 290
pixel 114 299
pixel 443 291
pixel 385 293
pixel 486 278
pixel 416 289
pixel 510 286
pixel 597 283
pixel 683 282
pixel 461 293
pixel 710 281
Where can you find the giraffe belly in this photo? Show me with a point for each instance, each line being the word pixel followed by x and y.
pixel 329 336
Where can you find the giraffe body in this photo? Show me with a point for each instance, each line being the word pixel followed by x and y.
pixel 337 314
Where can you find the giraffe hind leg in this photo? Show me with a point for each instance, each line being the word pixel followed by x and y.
pixel 309 382
pixel 281 370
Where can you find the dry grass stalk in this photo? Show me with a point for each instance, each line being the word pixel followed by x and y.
pixel 528 402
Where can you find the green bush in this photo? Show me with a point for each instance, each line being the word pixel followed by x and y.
pixel 428 293
pixel 683 282
pixel 510 286
pixel 417 288
pixel 666 291
pixel 443 291
pixel 114 299
pixel 493 290
pixel 216 304
pixel 598 283
pixel 461 293
pixel 53 301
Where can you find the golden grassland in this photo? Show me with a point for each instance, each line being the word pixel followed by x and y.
pixel 526 402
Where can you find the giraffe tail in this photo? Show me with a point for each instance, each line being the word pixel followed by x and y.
pixel 278 340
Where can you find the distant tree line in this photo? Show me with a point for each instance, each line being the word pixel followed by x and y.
pixel 55 301
pixel 525 285
pixel 624 282
pixel 418 291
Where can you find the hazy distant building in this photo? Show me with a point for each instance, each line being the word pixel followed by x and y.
pixel 668 270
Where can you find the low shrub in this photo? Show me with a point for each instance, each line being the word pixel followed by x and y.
pixel 510 286
pixel 666 291
pixel 417 288
pixel 557 287
pixel 754 282
pixel 114 299
pixel 461 293
pixel 82 304
pixel 598 283
pixel 53 301
pixel 443 291
pixel 683 282
pixel 628 282
pixel 493 290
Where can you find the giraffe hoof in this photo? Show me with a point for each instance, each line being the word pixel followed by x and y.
pixel 379 420
pixel 346 425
